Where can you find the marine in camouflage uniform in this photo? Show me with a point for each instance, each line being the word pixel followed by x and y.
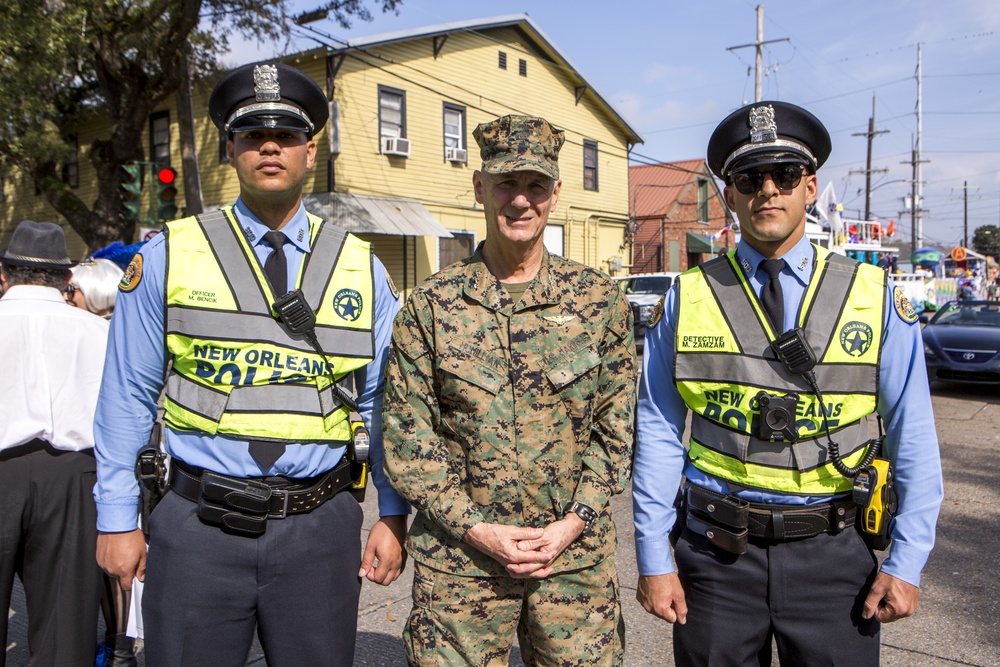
pixel 502 410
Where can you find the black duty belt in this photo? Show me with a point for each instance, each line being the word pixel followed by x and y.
pixel 244 505
pixel 727 521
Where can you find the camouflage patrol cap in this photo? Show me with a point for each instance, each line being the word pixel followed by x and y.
pixel 519 143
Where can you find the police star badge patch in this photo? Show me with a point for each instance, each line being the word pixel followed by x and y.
pixel 856 338
pixel 133 274
pixel 904 308
pixel 347 304
pixel 656 314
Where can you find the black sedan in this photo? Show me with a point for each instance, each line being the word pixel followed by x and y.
pixel 962 342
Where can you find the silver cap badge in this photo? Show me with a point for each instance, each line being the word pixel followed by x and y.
pixel 265 82
pixel 762 125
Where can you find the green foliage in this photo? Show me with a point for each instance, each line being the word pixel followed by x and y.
pixel 63 62
pixel 986 241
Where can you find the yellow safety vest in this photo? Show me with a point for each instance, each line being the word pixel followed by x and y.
pixel 723 360
pixel 237 370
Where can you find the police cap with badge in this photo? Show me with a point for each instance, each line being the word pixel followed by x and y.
pixel 268 96
pixel 765 133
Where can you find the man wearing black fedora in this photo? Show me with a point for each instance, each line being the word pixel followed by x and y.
pixel 53 357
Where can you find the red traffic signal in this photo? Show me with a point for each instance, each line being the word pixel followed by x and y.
pixel 166 192
pixel 166 175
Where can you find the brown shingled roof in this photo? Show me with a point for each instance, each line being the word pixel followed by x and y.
pixel 654 189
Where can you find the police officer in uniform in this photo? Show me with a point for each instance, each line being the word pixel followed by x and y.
pixel 260 406
pixel 766 529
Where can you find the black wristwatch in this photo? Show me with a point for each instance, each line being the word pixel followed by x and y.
pixel 585 512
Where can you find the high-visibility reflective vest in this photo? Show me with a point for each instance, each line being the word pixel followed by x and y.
pixel 237 370
pixel 723 360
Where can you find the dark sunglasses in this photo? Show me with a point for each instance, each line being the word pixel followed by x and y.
pixel 71 289
pixel 785 177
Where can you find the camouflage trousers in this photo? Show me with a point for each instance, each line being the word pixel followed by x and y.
pixel 570 618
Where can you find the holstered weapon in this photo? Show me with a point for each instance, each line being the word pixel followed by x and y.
pixel 151 473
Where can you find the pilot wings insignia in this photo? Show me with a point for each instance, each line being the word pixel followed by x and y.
pixel 559 319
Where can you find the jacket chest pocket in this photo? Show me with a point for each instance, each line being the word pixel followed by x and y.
pixel 570 377
pixel 469 381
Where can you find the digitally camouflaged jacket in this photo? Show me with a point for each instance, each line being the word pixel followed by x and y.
pixel 507 414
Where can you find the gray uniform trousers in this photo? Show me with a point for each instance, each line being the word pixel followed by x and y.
pixel 206 590
pixel 806 594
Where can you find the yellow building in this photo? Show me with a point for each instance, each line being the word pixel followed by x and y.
pixel 395 162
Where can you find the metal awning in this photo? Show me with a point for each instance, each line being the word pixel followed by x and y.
pixel 365 214
pixel 698 243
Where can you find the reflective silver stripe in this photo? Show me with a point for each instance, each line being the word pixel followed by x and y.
pixel 742 369
pixel 803 456
pixel 193 397
pixel 736 308
pixel 223 325
pixel 206 402
pixel 234 262
pixel 283 398
pixel 321 262
pixel 835 281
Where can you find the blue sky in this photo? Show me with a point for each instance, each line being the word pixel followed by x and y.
pixel 665 67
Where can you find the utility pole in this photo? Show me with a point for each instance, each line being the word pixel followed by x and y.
pixel 759 46
pixel 868 165
pixel 965 228
pixel 917 158
pixel 915 207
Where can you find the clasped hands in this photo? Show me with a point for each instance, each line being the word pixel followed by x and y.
pixel 526 553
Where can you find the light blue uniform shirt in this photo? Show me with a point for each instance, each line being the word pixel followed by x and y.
pixel 134 375
pixel 903 401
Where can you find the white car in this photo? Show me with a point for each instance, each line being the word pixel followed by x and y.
pixel 643 291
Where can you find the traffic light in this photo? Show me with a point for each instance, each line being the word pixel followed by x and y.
pixel 131 184
pixel 166 193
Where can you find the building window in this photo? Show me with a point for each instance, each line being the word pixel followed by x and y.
pixel 455 249
pixel 159 138
pixel 522 67
pixel 589 165
pixel 71 167
pixel 703 200
pixel 553 239
pixel 454 133
pixel 391 112
pixel 503 60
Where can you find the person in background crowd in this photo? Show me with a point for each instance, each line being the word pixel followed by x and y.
pixel 255 533
pixel 94 286
pixel 53 356
pixel 508 424
pixel 782 351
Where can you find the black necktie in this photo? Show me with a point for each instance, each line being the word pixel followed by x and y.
pixel 771 296
pixel 276 268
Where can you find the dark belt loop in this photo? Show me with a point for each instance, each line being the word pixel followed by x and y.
pixel 778 523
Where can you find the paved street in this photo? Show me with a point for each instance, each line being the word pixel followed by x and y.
pixel 958 622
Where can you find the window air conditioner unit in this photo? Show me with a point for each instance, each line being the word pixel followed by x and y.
pixel 395 146
pixel 456 154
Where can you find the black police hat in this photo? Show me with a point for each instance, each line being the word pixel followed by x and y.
pixel 39 245
pixel 766 133
pixel 268 96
